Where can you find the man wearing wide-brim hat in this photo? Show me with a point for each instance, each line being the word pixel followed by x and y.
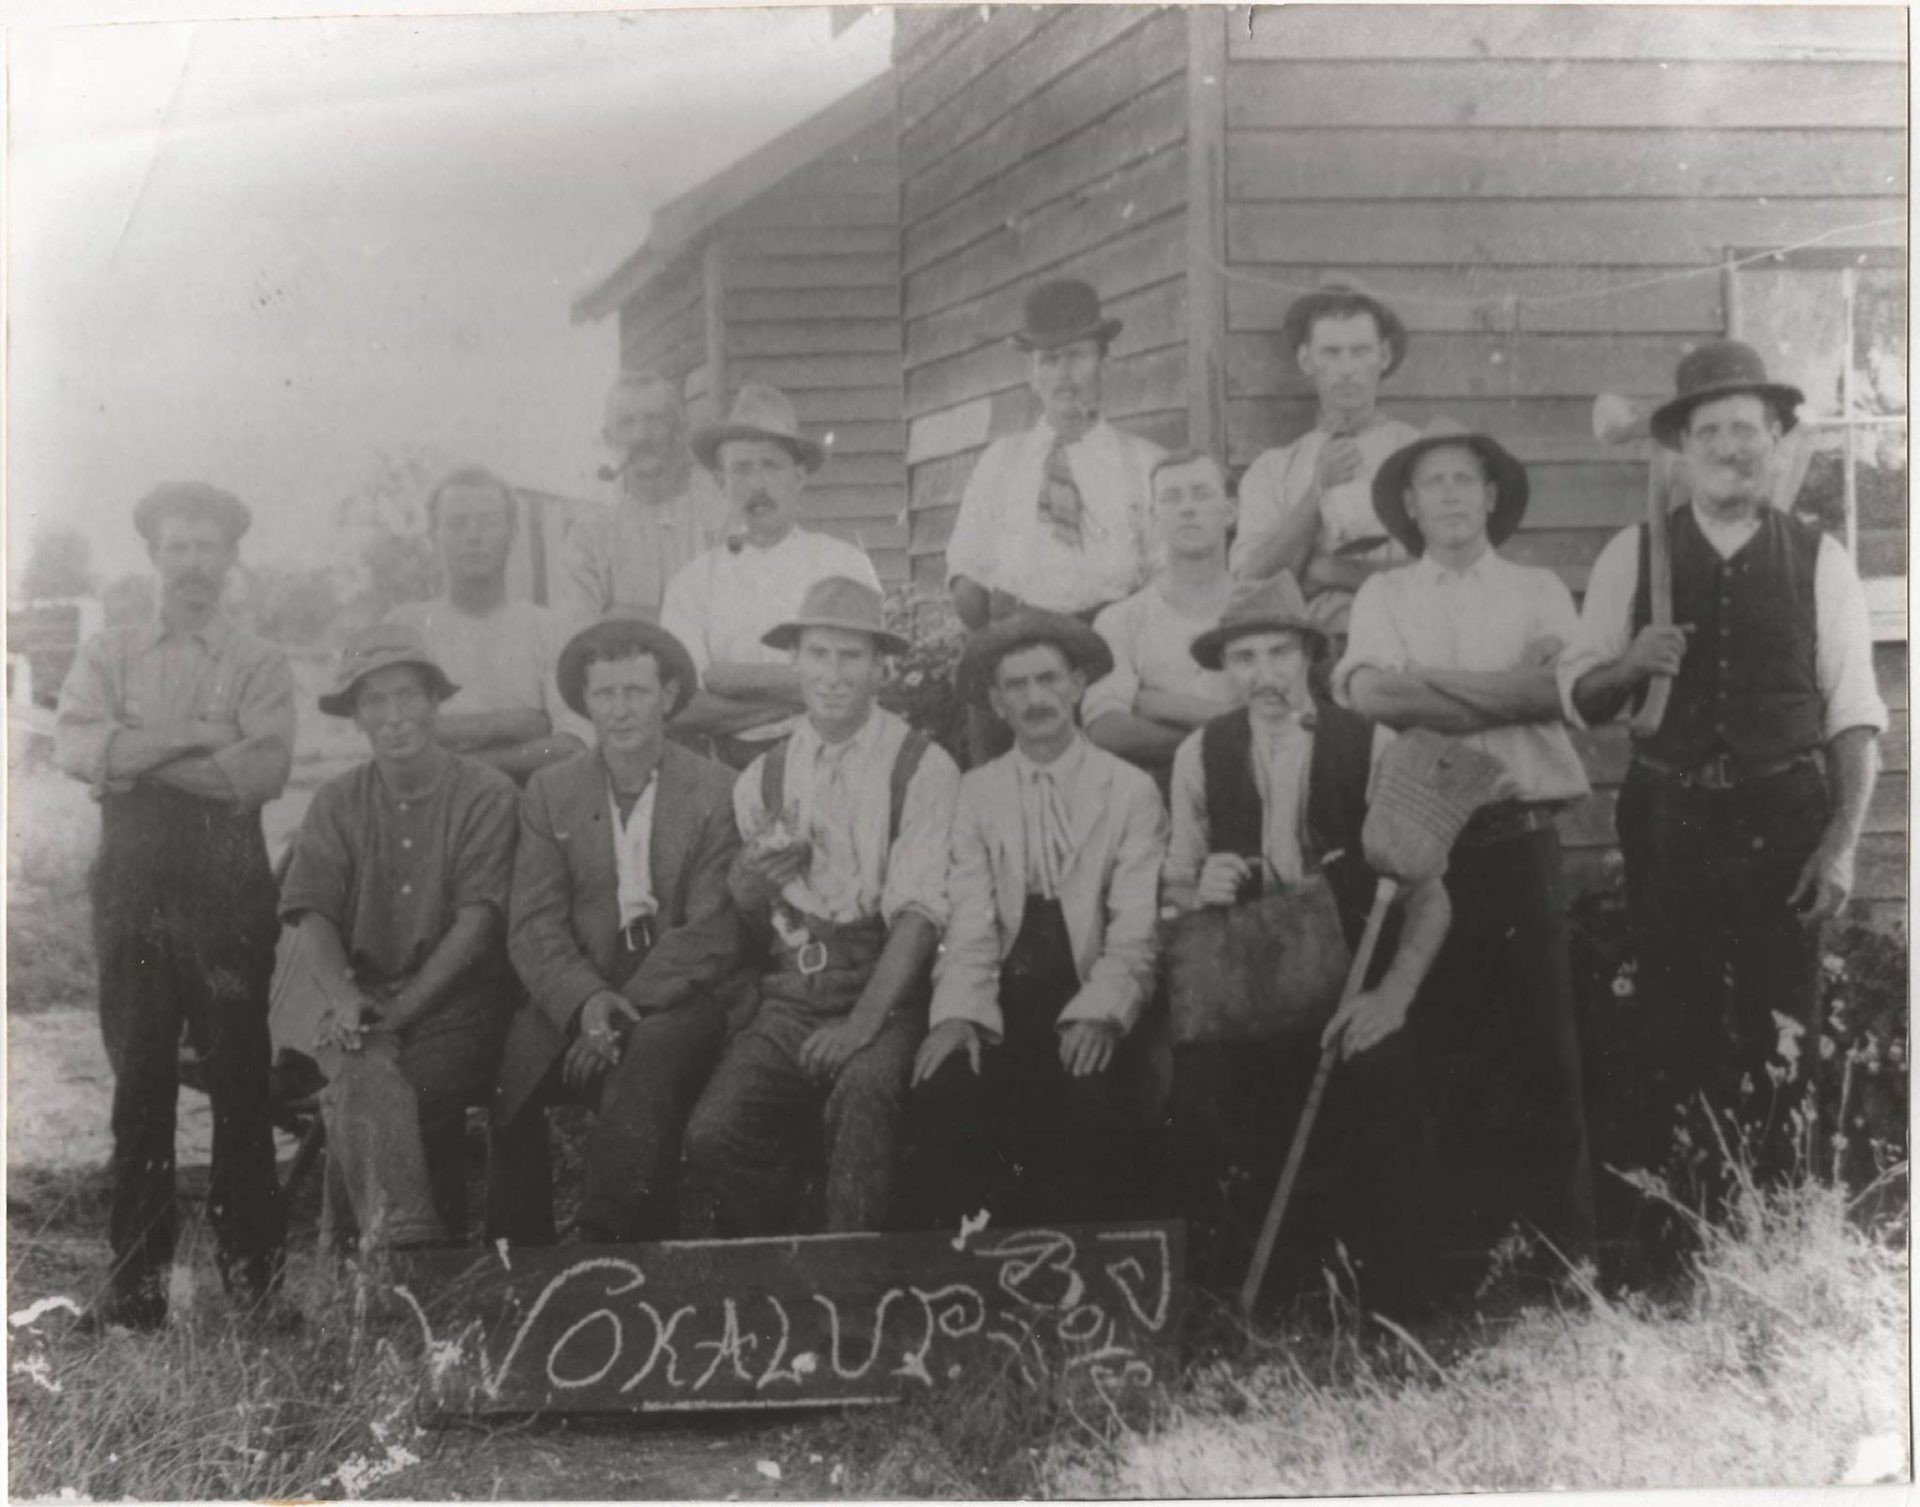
pixel 395 977
pixel 722 605
pixel 184 729
pixel 843 885
pixel 1268 802
pixel 1740 816
pixel 1464 641
pixel 1023 1085
pixel 1306 507
pixel 624 934
pixel 1058 517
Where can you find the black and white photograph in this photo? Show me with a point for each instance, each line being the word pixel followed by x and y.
pixel 1075 751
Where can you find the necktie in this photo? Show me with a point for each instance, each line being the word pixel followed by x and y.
pixel 1051 831
pixel 1061 509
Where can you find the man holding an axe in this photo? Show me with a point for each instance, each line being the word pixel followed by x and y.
pixel 1744 803
pixel 1463 641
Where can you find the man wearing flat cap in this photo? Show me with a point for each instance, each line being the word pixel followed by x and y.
pixel 184 729
pixel 1268 805
pixel 1464 642
pixel 723 605
pixel 843 885
pixel 1740 815
pixel 1059 517
pixel 1307 507
pixel 1022 1092
pixel 623 932
pixel 396 981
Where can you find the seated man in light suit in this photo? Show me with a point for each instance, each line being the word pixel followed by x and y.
pixel 1021 1102
pixel 625 937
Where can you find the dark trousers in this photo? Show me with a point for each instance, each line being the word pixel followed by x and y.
pixel 633 1152
pixel 1232 1111
pixel 1022 1138
pixel 184 931
pixel 1502 989
pixel 1722 957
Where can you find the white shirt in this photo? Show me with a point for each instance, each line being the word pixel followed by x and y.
pixel 1480 618
pixel 621 557
pixel 722 603
pixel 1152 647
pixel 1000 541
pixel 505 661
pixel 1843 635
pixel 855 874
pixel 1278 480
pixel 633 854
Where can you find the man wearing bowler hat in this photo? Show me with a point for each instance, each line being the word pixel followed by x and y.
pixel 184 729
pixel 1021 1099
pixel 1464 642
pixel 626 939
pixel 1307 507
pixel 1740 815
pixel 396 979
pixel 724 603
pixel 1059 517
pixel 842 884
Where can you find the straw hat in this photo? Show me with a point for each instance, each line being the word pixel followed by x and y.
pixel 625 638
pixel 1269 606
pixel 1720 369
pixel 379 648
pixel 1061 312
pixel 759 412
pixel 1508 476
pixel 190 499
pixel 1086 650
pixel 839 602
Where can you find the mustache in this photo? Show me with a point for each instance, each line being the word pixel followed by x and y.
pixel 194 578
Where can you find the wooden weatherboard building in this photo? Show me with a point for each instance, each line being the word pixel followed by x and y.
pixel 1560 200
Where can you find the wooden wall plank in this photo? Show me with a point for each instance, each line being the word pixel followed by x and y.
pixel 811 305
pixel 849 469
pixel 813 241
pixel 880 402
pixel 1528 366
pixel 1430 297
pixel 950 431
pixel 983 38
pixel 794 373
pixel 762 272
pixel 1890 673
pixel 1672 33
pixel 875 210
pixel 1141 126
pixel 1256 424
pixel 1523 163
pixel 1694 95
pixel 1621 232
pixel 864 438
pixel 760 338
pixel 657 347
pixel 824 500
pixel 1206 286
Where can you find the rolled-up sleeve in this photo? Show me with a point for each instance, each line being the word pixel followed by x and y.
pixel 86 720
pixel 482 872
pixel 1115 691
pixel 258 765
pixel 1606 618
pixel 1262 507
pixel 320 878
pixel 917 861
pixel 1844 637
pixel 1374 640
pixel 1189 838
pixel 966 976
pixel 1121 980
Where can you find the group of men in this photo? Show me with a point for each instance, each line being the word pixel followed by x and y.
pixel 661 851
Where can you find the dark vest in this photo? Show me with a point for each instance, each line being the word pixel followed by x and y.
pixel 1337 776
pixel 1748 685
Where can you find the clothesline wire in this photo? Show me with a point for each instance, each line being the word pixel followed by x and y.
pixel 1517 300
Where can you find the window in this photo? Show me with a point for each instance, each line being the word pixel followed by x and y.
pixel 1834 323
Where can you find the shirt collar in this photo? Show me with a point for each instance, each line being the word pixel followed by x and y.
pixel 212 636
pixel 861 743
pixel 1064 769
pixel 1484 569
pixel 1046 436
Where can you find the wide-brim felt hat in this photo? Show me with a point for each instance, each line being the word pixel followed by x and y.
pixel 759 412
pixel 1085 650
pixel 625 637
pixel 1061 312
pixel 381 647
pixel 1296 326
pixel 1507 474
pixel 1720 369
pixel 839 602
pixel 173 499
pixel 1271 606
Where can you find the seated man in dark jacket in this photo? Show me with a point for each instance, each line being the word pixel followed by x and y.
pixel 625 937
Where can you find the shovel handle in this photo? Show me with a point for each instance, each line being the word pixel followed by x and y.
pixel 1653 709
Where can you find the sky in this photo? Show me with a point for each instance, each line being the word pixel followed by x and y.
pixel 262 253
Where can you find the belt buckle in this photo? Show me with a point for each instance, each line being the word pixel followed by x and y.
pixel 1717 773
pixel 637 934
pixel 811 959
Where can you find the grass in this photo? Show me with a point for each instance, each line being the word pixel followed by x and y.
pixel 53 828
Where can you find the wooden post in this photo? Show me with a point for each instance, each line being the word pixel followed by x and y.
pixel 1207 229
pixel 714 271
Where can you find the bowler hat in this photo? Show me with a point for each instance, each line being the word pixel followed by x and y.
pixel 1507 475
pixel 839 602
pixel 1338 295
pixel 759 412
pixel 381 647
pixel 1085 650
pixel 624 637
pixel 1720 369
pixel 1061 312
pixel 1271 606
pixel 190 499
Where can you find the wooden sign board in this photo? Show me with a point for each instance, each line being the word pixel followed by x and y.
pixel 826 1320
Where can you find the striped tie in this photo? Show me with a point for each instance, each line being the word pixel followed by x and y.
pixel 1052 830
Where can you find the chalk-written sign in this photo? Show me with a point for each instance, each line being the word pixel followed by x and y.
pixel 812 1320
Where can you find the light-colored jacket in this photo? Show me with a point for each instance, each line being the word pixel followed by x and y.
pixel 1109 894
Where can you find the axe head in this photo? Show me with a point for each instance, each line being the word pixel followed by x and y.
pixel 1620 421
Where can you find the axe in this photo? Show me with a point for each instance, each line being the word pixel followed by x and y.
pixel 1620 421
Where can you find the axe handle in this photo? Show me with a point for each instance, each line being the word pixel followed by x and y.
pixel 1653 709
pixel 1383 895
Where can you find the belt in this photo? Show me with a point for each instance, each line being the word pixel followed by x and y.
pixel 1508 819
pixel 637 935
pixel 1722 771
pixel 812 944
